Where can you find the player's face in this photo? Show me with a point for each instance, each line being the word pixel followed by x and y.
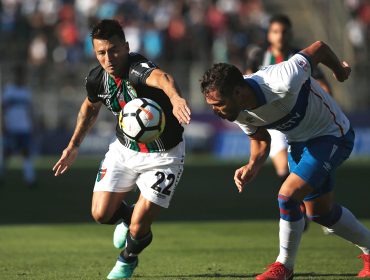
pixel 112 55
pixel 279 35
pixel 224 107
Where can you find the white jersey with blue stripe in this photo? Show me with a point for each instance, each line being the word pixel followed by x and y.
pixel 292 102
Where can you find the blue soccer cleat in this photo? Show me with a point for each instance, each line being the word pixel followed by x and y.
pixel 119 236
pixel 123 270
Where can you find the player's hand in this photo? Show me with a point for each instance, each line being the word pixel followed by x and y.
pixel 181 109
pixel 243 176
pixel 341 77
pixel 68 157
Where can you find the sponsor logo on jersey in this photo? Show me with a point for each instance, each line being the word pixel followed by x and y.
pixel 288 123
pixel 101 174
pixel 133 71
pixel 304 65
pixel 327 166
pixel 145 65
pixel 159 195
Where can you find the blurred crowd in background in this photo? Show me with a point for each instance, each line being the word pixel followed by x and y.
pixel 52 38
pixel 58 31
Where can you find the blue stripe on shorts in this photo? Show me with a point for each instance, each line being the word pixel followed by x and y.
pixel 316 160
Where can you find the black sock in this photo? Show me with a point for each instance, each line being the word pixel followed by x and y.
pixel 123 214
pixel 135 246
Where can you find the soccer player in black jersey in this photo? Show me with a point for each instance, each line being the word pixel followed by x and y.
pixel 154 167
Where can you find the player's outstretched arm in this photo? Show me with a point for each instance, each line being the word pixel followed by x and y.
pixel 166 82
pixel 260 149
pixel 85 119
pixel 319 52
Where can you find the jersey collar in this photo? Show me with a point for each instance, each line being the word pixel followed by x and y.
pixel 257 90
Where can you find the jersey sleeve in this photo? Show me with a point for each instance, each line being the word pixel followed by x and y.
pixel 140 71
pixel 93 85
pixel 93 98
pixel 294 72
pixel 247 128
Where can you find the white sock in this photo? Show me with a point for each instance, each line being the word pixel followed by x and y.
pixel 350 229
pixel 28 171
pixel 290 235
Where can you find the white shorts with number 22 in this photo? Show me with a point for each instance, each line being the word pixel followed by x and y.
pixel 156 174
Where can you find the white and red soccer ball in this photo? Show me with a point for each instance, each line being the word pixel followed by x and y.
pixel 142 120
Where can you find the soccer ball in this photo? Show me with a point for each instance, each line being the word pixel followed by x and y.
pixel 142 120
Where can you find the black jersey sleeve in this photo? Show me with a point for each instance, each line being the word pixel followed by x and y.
pixel 93 85
pixel 140 69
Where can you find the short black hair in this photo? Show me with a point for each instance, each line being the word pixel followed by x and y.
pixel 106 29
pixel 281 18
pixel 223 78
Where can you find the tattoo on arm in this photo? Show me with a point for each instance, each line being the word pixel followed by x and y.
pixel 82 128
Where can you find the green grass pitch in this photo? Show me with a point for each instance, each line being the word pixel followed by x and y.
pixel 210 230
pixel 188 250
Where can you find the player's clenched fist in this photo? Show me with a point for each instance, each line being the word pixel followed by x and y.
pixel 344 75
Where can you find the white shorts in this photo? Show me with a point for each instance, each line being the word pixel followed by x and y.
pixel 278 142
pixel 156 174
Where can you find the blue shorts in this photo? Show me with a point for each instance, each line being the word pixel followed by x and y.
pixel 17 141
pixel 316 160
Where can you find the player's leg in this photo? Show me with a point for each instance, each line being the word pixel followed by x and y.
pixel 157 182
pixel 7 149
pixel 24 145
pixel 138 238
pixel 311 163
pixel 109 207
pixel 340 221
pixel 113 182
pixel 291 226
pixel 280 161
pixel 278 154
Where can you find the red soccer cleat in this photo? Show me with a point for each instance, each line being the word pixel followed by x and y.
pixel 366 271
pixel 277 271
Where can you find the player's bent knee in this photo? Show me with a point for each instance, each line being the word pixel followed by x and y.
pixel 330 218
pixel 290 210
pixel 139 229
pixel 100 216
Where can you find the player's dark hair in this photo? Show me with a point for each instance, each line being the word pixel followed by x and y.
pixel 221 77
pixel 281 18
pixel 106 29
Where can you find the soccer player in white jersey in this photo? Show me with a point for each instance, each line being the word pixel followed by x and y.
pixel 285 97
pixel 18 126
pixel 280 35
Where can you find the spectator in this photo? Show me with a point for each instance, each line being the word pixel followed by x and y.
pixel 18 127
